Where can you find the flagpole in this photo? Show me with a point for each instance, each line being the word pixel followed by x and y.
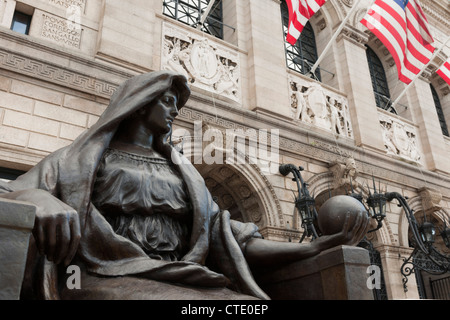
pixel 206 13
pixel 436 52
pixel 336 34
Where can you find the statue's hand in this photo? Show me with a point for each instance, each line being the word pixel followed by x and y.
pixel 351 234
pixel 57 226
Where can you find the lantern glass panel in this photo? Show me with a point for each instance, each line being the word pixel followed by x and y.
pixel 446 236
pixel 428 232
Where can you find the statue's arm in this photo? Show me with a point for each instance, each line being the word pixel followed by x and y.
pixel 261 252
pixel 57 226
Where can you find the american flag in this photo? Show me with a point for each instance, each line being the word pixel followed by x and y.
pixel 444 71
pixel 300 11
pixel 402 27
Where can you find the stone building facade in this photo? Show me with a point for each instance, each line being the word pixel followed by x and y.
pixel 58 74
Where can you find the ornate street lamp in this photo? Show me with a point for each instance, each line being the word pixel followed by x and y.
pixel 427 232
pixel 377 207
pixel 304 202
pixel 445 234
pixel 424 256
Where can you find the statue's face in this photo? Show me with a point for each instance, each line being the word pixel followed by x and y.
pixel 161 112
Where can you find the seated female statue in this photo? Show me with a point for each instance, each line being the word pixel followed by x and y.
pixel 120 203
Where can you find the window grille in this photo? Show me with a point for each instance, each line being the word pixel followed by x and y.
pixel 439 111
pixel 379 81
pixel 190 12
pixel 303 55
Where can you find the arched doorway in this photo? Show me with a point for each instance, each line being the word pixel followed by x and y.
pixel 245 192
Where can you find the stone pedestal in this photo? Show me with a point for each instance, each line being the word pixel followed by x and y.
pixel 339 273
pixel 16 223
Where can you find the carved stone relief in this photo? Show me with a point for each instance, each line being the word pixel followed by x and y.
pixel 345 176
pixel 313 104
pixel 400 139
pixel 206 64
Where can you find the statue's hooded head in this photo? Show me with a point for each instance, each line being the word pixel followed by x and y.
pixel 140 91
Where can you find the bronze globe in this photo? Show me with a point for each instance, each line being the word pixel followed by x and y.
pixel 332 214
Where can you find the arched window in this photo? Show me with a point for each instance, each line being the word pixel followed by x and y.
pixel 190 13
pixel 439 111
pixel 379 81
pixel 303 55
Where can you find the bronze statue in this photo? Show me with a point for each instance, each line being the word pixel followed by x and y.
pixel 139 224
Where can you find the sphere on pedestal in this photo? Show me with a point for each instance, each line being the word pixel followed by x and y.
pixel 332 214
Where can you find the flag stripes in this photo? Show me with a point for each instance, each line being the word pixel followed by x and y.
pixel 444 71
pixel 300 11
pixel 402 27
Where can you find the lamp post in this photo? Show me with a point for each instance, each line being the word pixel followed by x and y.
pixel 424 236
pixel 304 202
pixel 445 234
pixel 377 207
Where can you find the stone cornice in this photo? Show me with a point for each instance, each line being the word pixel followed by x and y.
pixel 88 81
pixel 438 11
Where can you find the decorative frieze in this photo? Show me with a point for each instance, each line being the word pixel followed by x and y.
pixel 400 139
pixel 207 65
pixel 313 104
pixel 55 74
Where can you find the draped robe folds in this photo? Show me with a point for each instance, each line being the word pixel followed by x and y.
pixel 69 174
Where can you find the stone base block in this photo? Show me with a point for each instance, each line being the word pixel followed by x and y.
pixel 16 223
pixel 339 273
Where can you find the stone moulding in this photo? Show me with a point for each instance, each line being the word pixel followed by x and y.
pixel 46 71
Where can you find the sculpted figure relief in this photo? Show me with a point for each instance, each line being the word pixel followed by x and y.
pixel 399 139
pixel 311 104
pixel 122 204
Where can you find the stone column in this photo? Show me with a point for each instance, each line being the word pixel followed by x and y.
pixel 268 84
pixel 128 33
pixel 355 81
pixel 429 132
pixel 392 260
pixel 7 8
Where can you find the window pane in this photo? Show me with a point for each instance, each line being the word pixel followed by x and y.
pixel 439 111
pixel 379 81
pixel 21 22
pixel 303 55
pixel 190 13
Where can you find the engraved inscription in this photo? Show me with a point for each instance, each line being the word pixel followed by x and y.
pixel 69 3
pixel 61 31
